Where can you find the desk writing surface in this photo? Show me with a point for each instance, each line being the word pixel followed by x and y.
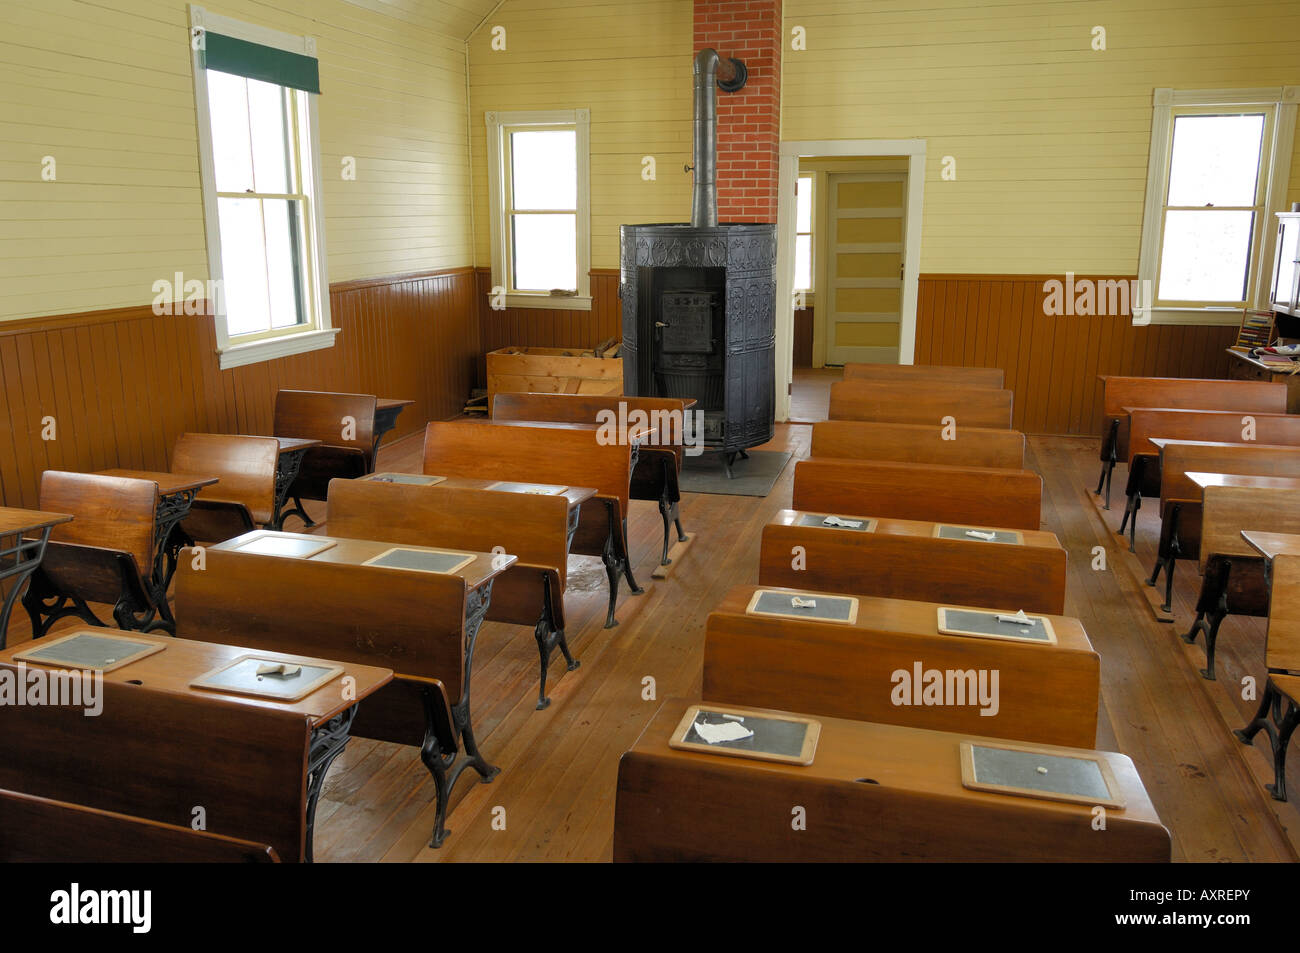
pixel 576 495
pixel 357 552
pixel 885 526
pixel 1164 442
pixel 13 520
pixel 168 483
pixel 1270 545
pixel 408 479
pixel 907 617
pixel 183 660
pixel 290 444
pixel 632 434
pixel 391 403
pixel 530 489
pixel 1242 480
pixel 914 759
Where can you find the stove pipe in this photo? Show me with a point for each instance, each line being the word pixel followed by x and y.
pixel 730 75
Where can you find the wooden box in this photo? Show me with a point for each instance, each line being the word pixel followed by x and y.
pixel 552 370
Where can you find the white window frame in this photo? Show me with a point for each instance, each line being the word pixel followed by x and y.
pixel 1281 100
pixel 498 126
pixel 810 292
pixel 318 331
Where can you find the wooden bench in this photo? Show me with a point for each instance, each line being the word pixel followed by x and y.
pixel 103 555
pixel 918 403
pixel 423 625
pixel 345 426
pixel 244 499
pixel 903 559
pixel 918 443
pixel 554 455
pixel 1226 426
pixel 1180 497
pixel 872 793
pixel 1278 712
pixel 158 748
pixel 39 830
pixel 530 592
pixel 1234 581
pixel 999 497
pixel 656 475
pixel 940 375
pixel 1045 693
pixel 1173 393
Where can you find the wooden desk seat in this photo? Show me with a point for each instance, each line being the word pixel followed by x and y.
pixel 244 497
pixel 1234 577
pixel 657 471
pixel 873 793
pixel 1279 713
pixel 1225 426
pixel 549 455
pixel 102 555
pixel 1173 393
pixel 1180 498
pixel 530 592
pixel 39 830
pixel 902 559
pixel 159 754
pixel 421 625
pixel 918 491
pixel 918 443
pixel 939 375
pixel 920 403
pixel 323 416
pixel 1045 693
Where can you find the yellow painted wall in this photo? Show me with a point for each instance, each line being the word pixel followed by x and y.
pixel 630 64
pixel 106 89
pixel 1050 137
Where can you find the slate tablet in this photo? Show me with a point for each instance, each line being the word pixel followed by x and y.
pixel 95 651
pixel 810 606
pixel 854 524
pixel 790 739
pixel 241 677
pixel 421 560
pixel 410 479
pixel 1053 774
pixel 986 625
pixel 291 545
pixel 979 534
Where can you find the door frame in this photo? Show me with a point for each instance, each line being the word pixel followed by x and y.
pixel 787 180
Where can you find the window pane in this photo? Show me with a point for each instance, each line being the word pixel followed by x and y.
pixel 1205 256
pixel 232 150
pixel 243 264
pixel 803 214
pixel 259 260
pixel 545 252
pixel 1215 160
pixel 803 263
pixel 268 118
pixel 544 169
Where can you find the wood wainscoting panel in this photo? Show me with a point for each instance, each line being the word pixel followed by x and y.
pixel 121 385
pixel 1052 361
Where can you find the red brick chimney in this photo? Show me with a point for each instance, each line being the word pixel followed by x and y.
pixel 749 121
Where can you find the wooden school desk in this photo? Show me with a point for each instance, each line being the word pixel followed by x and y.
pixel 387 410
pixel 160 746
pixel 1046 691
pixel 287 465
pixel 19 555
pixel 333 602
pixel 176 493
pixel 872 793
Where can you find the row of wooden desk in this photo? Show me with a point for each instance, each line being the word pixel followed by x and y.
pixel 900 701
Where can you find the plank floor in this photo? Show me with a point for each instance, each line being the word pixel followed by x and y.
pixel 554 796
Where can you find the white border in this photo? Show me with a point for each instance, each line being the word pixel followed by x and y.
pixel 320 334
pixel 580 119
pixel 787 175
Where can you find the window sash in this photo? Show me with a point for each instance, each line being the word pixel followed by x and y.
pixel 507 174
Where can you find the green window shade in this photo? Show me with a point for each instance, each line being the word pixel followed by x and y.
pixel 254 61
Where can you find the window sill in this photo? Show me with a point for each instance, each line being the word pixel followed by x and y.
pixel 254 352
pixel 1192 317
pixel 550 302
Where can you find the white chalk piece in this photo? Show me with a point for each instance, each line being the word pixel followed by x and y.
pixel 1019 618
pixel 836 521
pixel 1041 770
pixel 981 535
pixel 728 731
pixel 734 717
pixel 797 603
